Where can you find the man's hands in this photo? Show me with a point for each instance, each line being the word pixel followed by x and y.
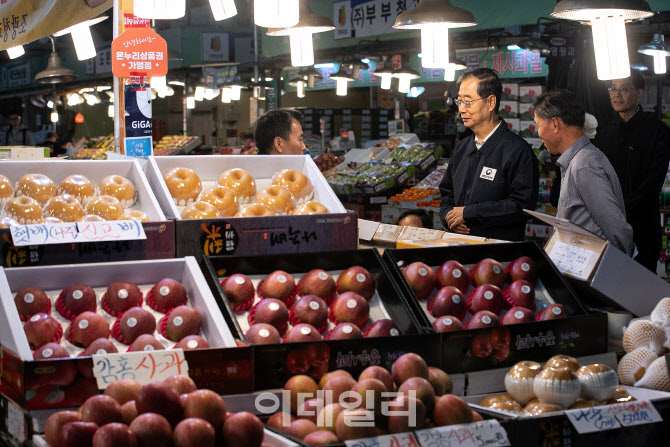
pixel 455 221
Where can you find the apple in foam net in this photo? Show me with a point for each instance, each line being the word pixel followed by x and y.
pixel 100 346
pixel 183 321
pixel 40 329
pixel 146 342
pixel 262 334
pixel 452 273
pixel 486 297
pixel 488 271
pixel 357 279
pixel 520 293
pixel 279 285
pixel 345 331
pixel 50 351
pixel 421 279
pixel 522 268
pixel 88 327
pixel 448 300
pixel 272 311
pixel 238 289
pixel 350 307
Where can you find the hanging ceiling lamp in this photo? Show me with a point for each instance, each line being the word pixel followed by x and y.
pixel 300 34
pixel 82 38
pixel 312 74
pixel 55 73
pixel 159 9
pixel 434 18
pixel 276 13
pixel 223 9
pixel 405 74
pixel 386 75
pixel 236 87
pixel 15 52
pixel 659 50
pixel 608 23
pixel 299 84
pixel 226 94
pixel 342 78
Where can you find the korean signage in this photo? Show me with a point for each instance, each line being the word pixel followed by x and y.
pixel 362 18
pixel 17 75
pixel 215 47
pixel 139 52
pixel 138 120
pixel 101 63
pixel 216 77
pixel 143 366
pixel 73 232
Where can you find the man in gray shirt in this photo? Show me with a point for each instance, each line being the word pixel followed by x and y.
pixel 590 191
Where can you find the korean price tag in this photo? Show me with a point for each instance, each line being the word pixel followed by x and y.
pixel 638 412
pixel 397 440
pixel 488 432
pixel 593 419
pixel 143 366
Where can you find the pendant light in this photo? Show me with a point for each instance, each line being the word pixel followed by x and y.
pixel 15 52
pixel 342 78
pixel 608 23
pixel 159 9
pixel 236 87
pixel 386 75
pixel 300 34
pixel 659 50
pixel 312 74
pixel 299 84
pixel 226 95
pixel 405 74
pixel 55 73
pixel 434 18
pixel 276 13
pixel 190 102
pixel 223 9
pixel 82 38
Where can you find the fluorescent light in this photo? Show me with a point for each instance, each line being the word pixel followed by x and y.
pixel 102 88
pixel 110 111
pixel 434 45
pixel 302 48
pixel 301 89
pixel 236 92
pixel 341 87
pixel 54 117
pixel 159 9
pixel 178 83
pixel 659 51
pixel 226 95
pixel 326 65
pixel 158 82
pixel 223 9
pixel 276 13
pixel 416 91
pixel 365 60
pixel 15 52
pixel 199 93
pixel 660 66
pixel 82 38
pixel 610 47
pixel 513 47
pixel 386 80
pixel 450 73
pixel 190 102
pixel 50 104
pixel 404 84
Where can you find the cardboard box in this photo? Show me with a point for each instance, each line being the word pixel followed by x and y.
pixel 579 334
pixel 56 383
pixel 601 272
pixel 160 232
pixel 510 91
pixel 526 111
pixel 513 124
pixel 254 235
pixel 509 109
pixel 528 129
pixel 529 93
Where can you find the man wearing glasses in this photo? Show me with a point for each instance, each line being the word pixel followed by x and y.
pixel 638 147
pixel 15 136
pixel 492 175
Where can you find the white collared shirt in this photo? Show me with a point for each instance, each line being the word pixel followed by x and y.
pixel 479 144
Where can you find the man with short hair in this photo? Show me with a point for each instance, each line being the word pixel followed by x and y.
pixel 279 132
pixel 15 136
pixel 492 175
pixel 590 193
pixel 638 147
pixel 415 218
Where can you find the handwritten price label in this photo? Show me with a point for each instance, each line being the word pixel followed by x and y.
pixel 593 419
pixel 488 432
pixel 143 366
pixel 73 232
pixel 398 440
pixel 571 259
pixel 635 413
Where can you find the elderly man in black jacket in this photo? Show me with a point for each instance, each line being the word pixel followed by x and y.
pixel 492 175
pixel 638 147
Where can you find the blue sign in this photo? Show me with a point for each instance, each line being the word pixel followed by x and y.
pixel 138 146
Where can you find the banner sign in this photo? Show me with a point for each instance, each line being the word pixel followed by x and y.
pixel 139 52
pixel 362 18
pixel 22 22
pixel 138 110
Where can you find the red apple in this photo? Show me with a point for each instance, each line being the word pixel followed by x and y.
pixel 518 315
pixel 123 390
pixel 55 422
pixel 317 282
pixel 262 334
pixel 383 328
pixel 207 405
pixel 101 346
pixel 407 366
pixel 357 279
pixel 302 332
pixel 520 293
pixel 421 279
pixel 113 435
pixel 488 271
pixel 406 414
pixel 88 327
pixel 41 329
pixel 350 307
pixel 181 384
pixel 551 312
pixel 450 410
pixel 194 432
pixel 448 300
pixel 345 331
pixel 522 268
pixel 152 430
pixel 279 285
pixel 452 273
pixel 238 289
pixel 500 337
pixel 486 297
pixel 447 323
pixel 379 373
pixel 77 434
pixel 101 409
pixel 243 429
pixel 159 397
pixel 51 351
pixel 483 319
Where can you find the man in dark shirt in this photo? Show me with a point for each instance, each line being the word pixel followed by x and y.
pixel 279 132
pixel 639 149
pixel 493 174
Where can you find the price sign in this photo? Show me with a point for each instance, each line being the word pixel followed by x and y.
pixel 638 412
pixel 571 259
pixel 143 366
pixel 73 232
pixel 488 432
pixel 593 419
pixel 397 440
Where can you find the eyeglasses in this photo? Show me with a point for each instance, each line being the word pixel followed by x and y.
pixel 622 90
pixel 465 102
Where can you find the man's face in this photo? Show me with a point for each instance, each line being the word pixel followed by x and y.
pixel 293 145
pixel 479 111
pixel 545 130
pixel 15 120
pixel 624 96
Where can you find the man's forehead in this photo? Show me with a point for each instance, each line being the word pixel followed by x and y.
pixel 622 82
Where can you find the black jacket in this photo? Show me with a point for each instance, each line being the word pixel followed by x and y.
pixel 494 183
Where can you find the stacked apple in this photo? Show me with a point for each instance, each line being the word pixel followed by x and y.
pixel 489 303
pixel 311 309
pixel 339 408
pixel 160 414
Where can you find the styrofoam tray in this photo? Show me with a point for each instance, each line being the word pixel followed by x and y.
pixel 261 168
pixel 52 279
pixel 95 171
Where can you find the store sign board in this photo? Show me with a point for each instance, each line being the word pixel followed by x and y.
pixel 139 51
pixel 22 22
pixel 216 77
pixel 362 18
pixel 143 366
pixel 101 63
pixel 215 47
pixel 141 147
pixel 16 76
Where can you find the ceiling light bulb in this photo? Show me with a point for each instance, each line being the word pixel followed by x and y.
pixel 54 117
pixel 610 47
pixel 434 45
pixel 223 9
pixel 302 48
pixel 226 95
pixel 404 84
pixel 660 66
pixel 341 87
pixel 659 51
pixel 190 102
pixel 276 13
pixel 110 111
pixel 159 9
pixel 450 73
pixel 301 89
pixel 386 80
pixel 236 92
pixel 199 93
pixel 15 52
pixel 50 104
pixel 158 82
pixel 83 41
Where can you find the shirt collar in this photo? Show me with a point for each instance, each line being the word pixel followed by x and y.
pixel 479 144
pixel 567 156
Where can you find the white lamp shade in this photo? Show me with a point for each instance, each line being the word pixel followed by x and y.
pixel 276 13
pixel 110 111
pixel 83 41
pixel 54 117
pixel 404 84
pixel 223 9
pixel 159 9
pixel 610 47
pixel 300 89
pixel 386 81
pixel 226 95
pixel 302 48
pixel 15 52
pixel 341 87
pixel 434 46
pixel 190 102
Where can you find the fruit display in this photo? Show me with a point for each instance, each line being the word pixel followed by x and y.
pixel 168 413
pixel 339 408
pixel 432 180
pixel 327 161
pixel 174 144
pixel 371 178
pixel 98 151
pixel 414 154
pixel 414 195
pixel 560 384
pixel 645 342
pixel 428 204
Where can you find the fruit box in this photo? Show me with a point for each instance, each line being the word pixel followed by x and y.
pixel 510 91
pixel 601 273
pixel 529 93
pixel 579 334
pixel 57 383
pixel 254 235
pixel 509 109
pixel 284 359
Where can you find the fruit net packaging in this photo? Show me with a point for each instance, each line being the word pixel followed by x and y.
pixel 160 232
pixel 487 346
pixel 55 383
pixel 318 357
pixel 336 230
